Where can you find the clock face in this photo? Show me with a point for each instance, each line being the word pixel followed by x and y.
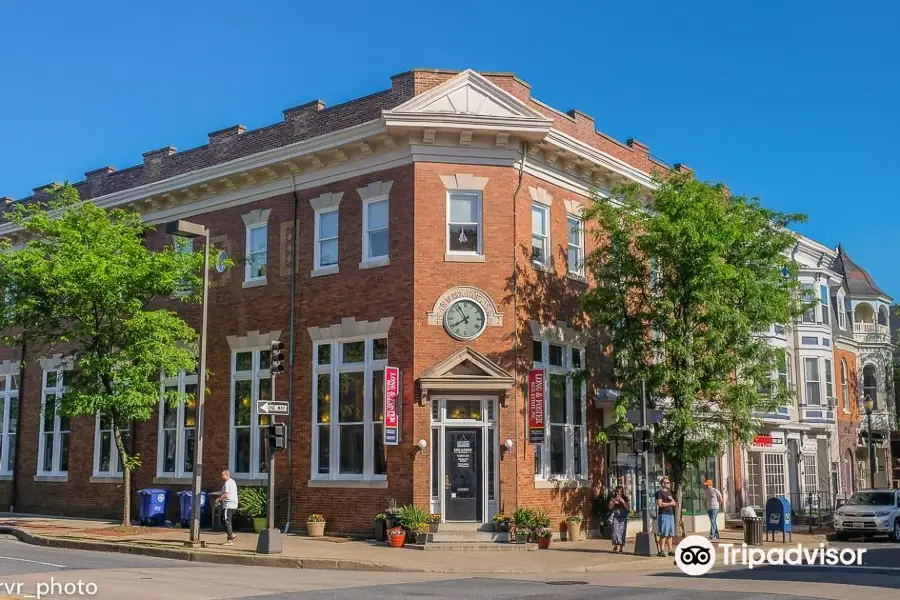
pixel 465 319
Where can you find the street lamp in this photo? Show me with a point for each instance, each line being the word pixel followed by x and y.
pixel 194 230
pixel 868 405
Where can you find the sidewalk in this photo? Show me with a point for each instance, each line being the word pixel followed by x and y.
pixel 301 551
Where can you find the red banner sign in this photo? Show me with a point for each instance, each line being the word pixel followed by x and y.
pixel 536 402
pixel 763 440
pixel 391 396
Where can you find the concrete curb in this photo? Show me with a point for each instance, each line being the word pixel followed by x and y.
pixel 253 560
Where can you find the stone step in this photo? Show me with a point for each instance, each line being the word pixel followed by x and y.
pixel 470 536
pixel 478 547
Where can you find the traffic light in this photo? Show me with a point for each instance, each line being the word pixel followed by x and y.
pixel 643 440
pixel 276 364
pixel 277 436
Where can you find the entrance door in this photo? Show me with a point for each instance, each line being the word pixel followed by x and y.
pixel 463 475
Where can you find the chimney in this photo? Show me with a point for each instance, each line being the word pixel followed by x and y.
pixel 300 116
pixel 7 200
pixel 42 192
pixel 95 179
pixel 638 146
pixel 683 168
pixel 153 161
pixel 223 136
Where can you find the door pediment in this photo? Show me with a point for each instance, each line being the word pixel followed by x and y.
pixel 468 371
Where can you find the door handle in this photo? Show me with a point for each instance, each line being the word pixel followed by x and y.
pixel 447 481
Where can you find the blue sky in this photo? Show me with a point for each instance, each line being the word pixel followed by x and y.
pixel 797 104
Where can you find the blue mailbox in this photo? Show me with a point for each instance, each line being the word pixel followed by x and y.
pixel 778 518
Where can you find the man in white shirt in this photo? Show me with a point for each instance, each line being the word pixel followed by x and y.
pixel 229 497
pixel 713 503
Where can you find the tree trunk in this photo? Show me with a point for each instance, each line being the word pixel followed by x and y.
pixel 678 488
pixel 126 475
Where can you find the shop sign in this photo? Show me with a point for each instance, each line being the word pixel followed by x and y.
pixel 768 440
pixel 536 379
pixel 391 396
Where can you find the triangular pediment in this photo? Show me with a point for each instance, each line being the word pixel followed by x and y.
pixel 466 369
pixel 471 101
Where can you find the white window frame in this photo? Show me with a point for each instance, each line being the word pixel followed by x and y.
pixel 367 256
pixel 115 465
pixel 575 224
pixel 180 382
pixel 479 224
pixel 829 382
pixel 810 473
pixel 845 387
pixel 824 304
pixel 543 235
pixel 808 294
pixel 317 247
pixel 57 431
pixel 334 369
pixel 257 377
pixel 7 433
pixel 841 312
pixel 571 429
pixel 248 267
pixel 807 381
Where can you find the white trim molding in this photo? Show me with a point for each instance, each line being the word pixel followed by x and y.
pixel 253 340
pixel 349 327
pixel 464 182
pixel 57 363
pixel 376 189
pixel 574 208
pixel 326 201
pixel 10 367
pixel 493 317
pixel 256 216
pixel 540 195
pixel 560 332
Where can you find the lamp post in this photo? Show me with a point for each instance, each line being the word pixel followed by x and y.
pixel 193 230
pixel 868 405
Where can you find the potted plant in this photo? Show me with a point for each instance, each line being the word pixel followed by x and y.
pixel 415 520
pixel 253 503
pixel 379 527
pixel 602 514
pixel 391 512
pixel 315 525
pixel 501 522
pixel 523 520
pixel 434 521
pixel 573 528
pixel 396 537
pixel 543 536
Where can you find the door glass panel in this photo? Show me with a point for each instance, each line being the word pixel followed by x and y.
pixel 435 464
pixel 557 398
pixel 463 475
pixel 492 443
pixel 464 409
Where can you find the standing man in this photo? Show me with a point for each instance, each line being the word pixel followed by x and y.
pixel 229 497
pixel 713 504
pixel 665 503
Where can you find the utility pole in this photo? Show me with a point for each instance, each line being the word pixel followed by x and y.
pixel 642 539
pixel 269 541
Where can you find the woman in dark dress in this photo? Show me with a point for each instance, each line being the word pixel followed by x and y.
pixel 619 508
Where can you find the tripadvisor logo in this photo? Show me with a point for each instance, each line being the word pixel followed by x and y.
pixel 695 555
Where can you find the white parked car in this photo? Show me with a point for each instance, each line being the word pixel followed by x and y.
pixel 869 512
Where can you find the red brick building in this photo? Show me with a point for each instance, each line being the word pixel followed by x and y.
pixel 438 230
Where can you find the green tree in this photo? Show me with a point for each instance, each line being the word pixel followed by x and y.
pixel 686 284
pixel 84 283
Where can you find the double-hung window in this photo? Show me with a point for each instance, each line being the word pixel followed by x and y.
pixel 575 250
pixel 9 417
pixel 829 382
pixel 251 382
pixel 183 245
pixel 106 455
pixel 845 388
pixel 464 222
pixel 177 426
pixel 841 314
pixel 348 411
pixel 257 251
pixel 813 382
pixel 53 444
pixel 808 298
pixel 375 229
pixel 562 455
pixel 826 315
pixel 540 234
pixel 326 232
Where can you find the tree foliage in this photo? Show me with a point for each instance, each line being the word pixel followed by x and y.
pixel 84 284
pixel 687 287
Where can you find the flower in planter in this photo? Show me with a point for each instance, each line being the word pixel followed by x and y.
pixel 574 519
pixel 502 518
pixel 396 532
pixel 434 519
pixel 542 533
pixel 316 518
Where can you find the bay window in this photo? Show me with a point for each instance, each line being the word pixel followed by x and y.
pixel 251 382
pixel 826 315
pixel 813 383
pixel 348 409
pixel 53 443
pixel 808 297
pixel 9 417
pixel 177 426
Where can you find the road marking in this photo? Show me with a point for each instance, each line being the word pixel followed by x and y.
pixel 36 562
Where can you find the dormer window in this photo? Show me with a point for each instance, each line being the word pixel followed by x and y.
pixel 841 314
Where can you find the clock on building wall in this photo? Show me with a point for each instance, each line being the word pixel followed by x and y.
pixel 465 319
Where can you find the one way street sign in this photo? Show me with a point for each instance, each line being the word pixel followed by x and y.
pixel 269 407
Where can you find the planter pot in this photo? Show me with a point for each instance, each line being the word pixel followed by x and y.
pixel 573 531
pixel 543 543
pixel 421 538
pixel 315 529
pixel 433 527
pixel 259 524
pixel 502 527
pixel 397 541
pixel 379 529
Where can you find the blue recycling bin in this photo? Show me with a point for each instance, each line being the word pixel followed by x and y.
pixel 153 504
pixel 186 502
pixel 778 518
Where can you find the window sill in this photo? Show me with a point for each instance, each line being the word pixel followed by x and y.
pixel 6 477
pixel 251 481
pixel 553 484
pixel 541 267
pixel 252 283
pixel 52 478
pixel 463 258
pixel 373 263
pixel 106 479
pixel 377 484
pixel 322 271
pixel 577 277
pixel 172 480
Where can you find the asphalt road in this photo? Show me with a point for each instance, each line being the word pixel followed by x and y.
pixel 139 578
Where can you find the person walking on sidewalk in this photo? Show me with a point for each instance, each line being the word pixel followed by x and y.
pixel 618 518
pixel 714 502
pixel 230 498
pixel 665 503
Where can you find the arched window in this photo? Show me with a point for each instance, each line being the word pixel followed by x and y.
pixel 870 384
pixel 883 315
pixel 845 387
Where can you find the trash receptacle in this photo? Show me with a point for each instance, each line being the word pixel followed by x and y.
pixel 753 531
pixel 186 502
pixel 217 514
pixel 153 506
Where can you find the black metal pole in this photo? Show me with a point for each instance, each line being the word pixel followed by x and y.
pixel 872 464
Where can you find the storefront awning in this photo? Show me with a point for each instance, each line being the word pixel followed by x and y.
pixel 465 371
